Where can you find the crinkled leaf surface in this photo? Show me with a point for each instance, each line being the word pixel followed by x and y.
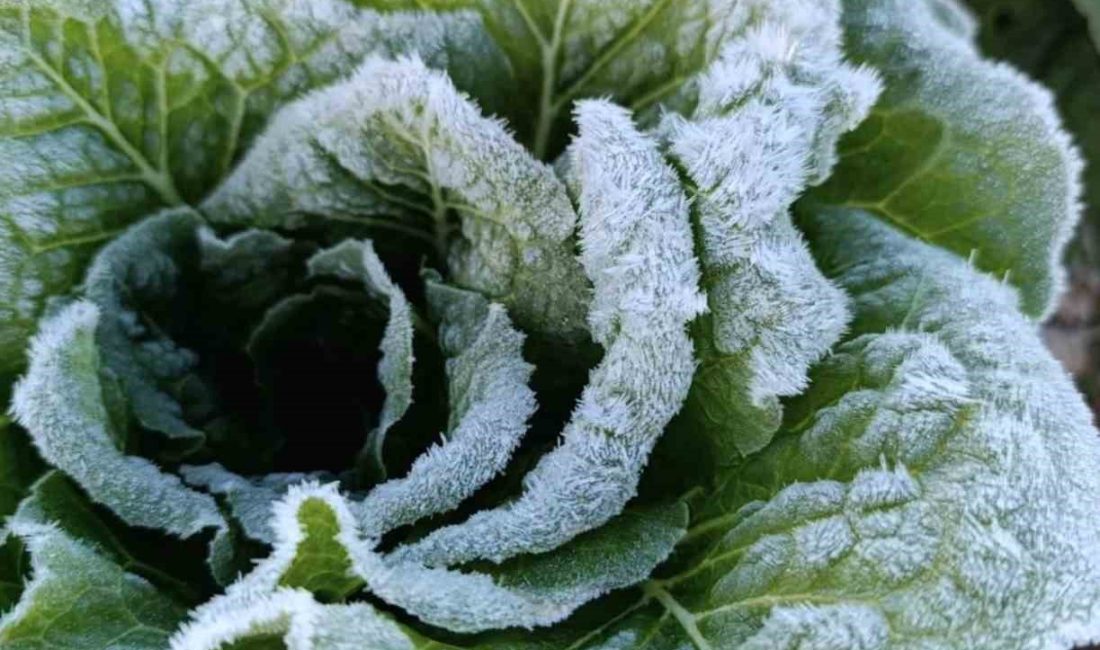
pixel 109 110
pixel 641 53
pixel 930 483
pixel 959 152
pixel 398 138
pixel 78 600
pixel 764 127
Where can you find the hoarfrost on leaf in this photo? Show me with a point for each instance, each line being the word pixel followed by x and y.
pixel 377 347
pixel 769 111
pixel 960 152
pixel 111 110
pixel 637 251
pixel 398 138
pixel 60 403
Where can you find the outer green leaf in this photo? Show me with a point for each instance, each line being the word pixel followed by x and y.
pixel 356 260
pixel 54 500
pixel 637 52
pixel 110 109
pixel 637 251
pixel 960 152
pixel 78 600
pixel 769 113
pixel 397 138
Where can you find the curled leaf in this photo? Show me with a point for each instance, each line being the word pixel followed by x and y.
pixel 357 260
pixel 960 152
pixel 397 138
pixel 769 112
pixel 60 403
pixel 637 251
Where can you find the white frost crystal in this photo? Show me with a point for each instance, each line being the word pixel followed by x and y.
pixel 466 602
pixel 637 250
pixel 61 405
pixel 489 379
pixel 769 112
pixel 397 124
pixel 661 324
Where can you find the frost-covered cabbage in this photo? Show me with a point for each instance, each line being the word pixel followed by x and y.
pixel 579 324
